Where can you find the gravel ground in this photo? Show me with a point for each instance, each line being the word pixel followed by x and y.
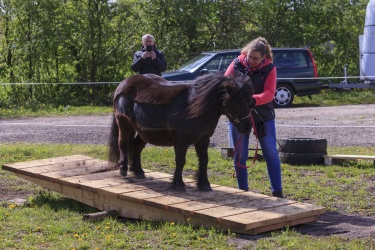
pixel 344 126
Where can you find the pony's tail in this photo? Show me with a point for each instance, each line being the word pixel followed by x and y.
pixel 113 144
pixel 130 151
pixel 113 148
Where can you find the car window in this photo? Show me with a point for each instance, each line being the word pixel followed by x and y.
pixel 195 62
pixel 220 63
pixel 290 59
pixel 214 64
pixel 226 61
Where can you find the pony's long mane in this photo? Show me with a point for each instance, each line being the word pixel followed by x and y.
pixel 206 91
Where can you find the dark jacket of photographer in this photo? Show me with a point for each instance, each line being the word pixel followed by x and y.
pixel 148 65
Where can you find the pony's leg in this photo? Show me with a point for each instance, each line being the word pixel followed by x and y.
pixel 201 149
pixel 180 159
pixel 126 135
pixel 136 166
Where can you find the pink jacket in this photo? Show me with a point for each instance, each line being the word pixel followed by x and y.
pixel 269 86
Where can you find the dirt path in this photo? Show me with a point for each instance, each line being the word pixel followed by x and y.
pixel 352 125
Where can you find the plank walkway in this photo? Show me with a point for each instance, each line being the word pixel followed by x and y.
pixel 95 183
pixel 329 160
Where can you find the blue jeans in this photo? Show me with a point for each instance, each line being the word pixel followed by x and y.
pixel 269 151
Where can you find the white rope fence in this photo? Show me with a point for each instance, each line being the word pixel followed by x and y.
pixel 98 83
pixel 58 83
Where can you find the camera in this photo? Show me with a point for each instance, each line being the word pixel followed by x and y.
pixel 150 48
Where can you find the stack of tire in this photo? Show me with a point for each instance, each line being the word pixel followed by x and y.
pixel 302 151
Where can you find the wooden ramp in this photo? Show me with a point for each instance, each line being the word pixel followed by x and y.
pixel 93 182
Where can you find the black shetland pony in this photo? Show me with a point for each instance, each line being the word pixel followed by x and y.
pixel 149 109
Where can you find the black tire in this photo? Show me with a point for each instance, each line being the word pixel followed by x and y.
pixel 302 145
pixel 284 96
pixel 302 158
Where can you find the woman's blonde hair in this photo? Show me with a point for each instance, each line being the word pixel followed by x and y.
pixel 259 44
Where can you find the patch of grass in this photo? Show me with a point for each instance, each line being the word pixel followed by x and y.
pixel 329 97
pixel 326 98
pixel 289 239
pixel 51 221
pixel 44 110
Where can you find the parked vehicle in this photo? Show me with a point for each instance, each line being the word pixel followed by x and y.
pixel 296 71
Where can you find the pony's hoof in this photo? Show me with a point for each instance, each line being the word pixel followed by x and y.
pixel 140 176
pixel 123 171
pixel 179 188
pixel 205 188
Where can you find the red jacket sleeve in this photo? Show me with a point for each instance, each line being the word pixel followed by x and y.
pixel 229 71
pixel 269 89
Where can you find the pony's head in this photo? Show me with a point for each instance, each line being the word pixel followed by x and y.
pixel 237 100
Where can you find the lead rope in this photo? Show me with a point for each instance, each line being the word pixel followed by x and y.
pixel 237 163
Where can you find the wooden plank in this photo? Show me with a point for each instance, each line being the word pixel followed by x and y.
pixel 191 206
pixel 95 181
pixel 82 172
pixel 115 190
pixel 169 197
pixel 178 201
pixel 132 184
pixel 252 195
pixel 142 195
pixel 273 215
pixel 213 207
pixel 139 211
pixel 78 178
pixel 43 162
pixel 81 178
pixel 73 193
pixel 155 179
pixel 139 184
pixel 329 160
pixel 351 157
pixel 125 208
pixel 217 213
pixel 226 190
pixel 162 190
pixel 63 166
pixel 43 183
pixel 276 226
pixel 253 231
pixel 96 167
pixel 36 170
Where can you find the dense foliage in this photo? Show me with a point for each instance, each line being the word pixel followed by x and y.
pixel 63 41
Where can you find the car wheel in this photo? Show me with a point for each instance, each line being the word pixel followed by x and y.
pixel 284 96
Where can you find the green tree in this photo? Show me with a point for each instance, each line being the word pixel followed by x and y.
pixel 54 41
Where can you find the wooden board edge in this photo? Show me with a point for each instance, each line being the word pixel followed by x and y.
pixel 350 157
pixel 12 167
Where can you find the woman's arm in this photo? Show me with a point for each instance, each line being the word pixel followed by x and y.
pixel 269 89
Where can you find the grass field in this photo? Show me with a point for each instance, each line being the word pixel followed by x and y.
pixel 50 221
